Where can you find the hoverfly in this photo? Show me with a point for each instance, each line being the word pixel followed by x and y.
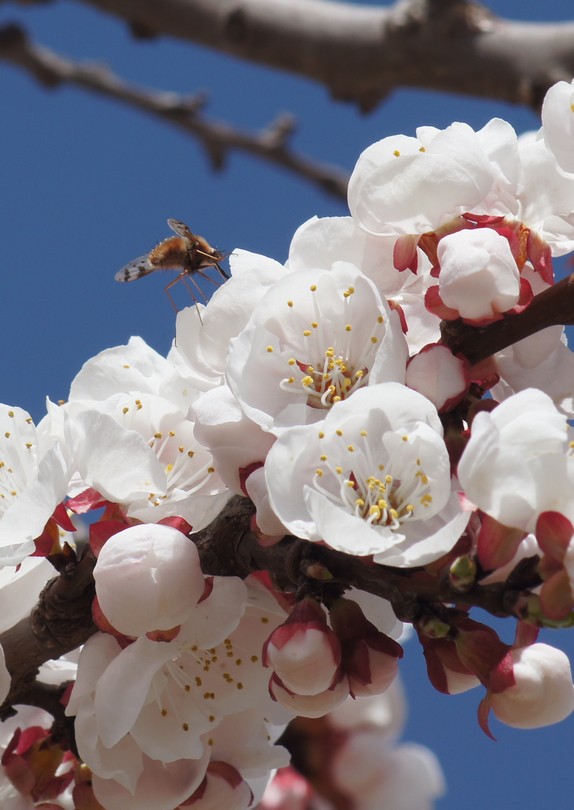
pixel 186 252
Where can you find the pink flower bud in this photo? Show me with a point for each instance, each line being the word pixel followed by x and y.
pixel 370 658
pixel 148 578
pixel 304 651
pixel 542 693
pixel 478 273
pixel 309 705
pixel 223 786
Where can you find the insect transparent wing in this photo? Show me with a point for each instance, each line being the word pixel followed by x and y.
pixel 135 269
pixel 180 228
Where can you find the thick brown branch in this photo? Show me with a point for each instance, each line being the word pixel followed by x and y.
pixel 361 53
pixel 61 622
pixel 217 138
pixel 228 546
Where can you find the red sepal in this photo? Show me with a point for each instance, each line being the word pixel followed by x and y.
pixel 405 253
pixel 554 532
pixel 86 501
pixel 245 472
pixel 61 517
pixel 177 522
pixel 497 544
pixel 101 531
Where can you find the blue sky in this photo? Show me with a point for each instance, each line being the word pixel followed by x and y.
pixel 88 185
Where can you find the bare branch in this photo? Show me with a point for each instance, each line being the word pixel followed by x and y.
pixel 361 53
pixel 185 113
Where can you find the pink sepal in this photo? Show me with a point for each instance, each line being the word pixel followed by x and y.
pixel 554 532
pixel 497 544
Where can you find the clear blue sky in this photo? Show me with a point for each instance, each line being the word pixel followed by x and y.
pixel 88 185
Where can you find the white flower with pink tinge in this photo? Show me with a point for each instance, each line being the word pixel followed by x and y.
pixel 542 693
pixel 558 124
pixel 372 479
pixel 314 339
pixel 146 711
pixel 518 462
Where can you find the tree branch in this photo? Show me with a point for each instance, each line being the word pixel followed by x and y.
pixel 184 113
pixel 361 53
pixel 553 306
pixel 62 620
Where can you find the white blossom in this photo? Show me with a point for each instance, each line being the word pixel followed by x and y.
pixel 404 185
pixel 372 479
pixel 34 476
pixel 518 463
pixel 313 340
pixel 558 123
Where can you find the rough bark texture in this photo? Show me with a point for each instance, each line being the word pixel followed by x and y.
pixel 360 53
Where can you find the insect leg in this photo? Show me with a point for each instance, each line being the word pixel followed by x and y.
pixel 169 286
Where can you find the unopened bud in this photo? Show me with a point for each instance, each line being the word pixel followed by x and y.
pixel 462 573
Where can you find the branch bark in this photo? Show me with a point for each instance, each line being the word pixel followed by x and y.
pixel 185 113
pixel 361 53
pixel 62 620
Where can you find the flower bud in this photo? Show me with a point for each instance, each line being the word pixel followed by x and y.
pixel 478 274
pixel 304 651
pixel 148 578
pixel 542 693
pixel 309 705
pixel 370 658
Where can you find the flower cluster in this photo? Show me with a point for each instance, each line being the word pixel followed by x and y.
pixel 394 401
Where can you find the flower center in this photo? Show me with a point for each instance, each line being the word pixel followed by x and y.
pixel 384 491
pixel 187 468
pixel 333 355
